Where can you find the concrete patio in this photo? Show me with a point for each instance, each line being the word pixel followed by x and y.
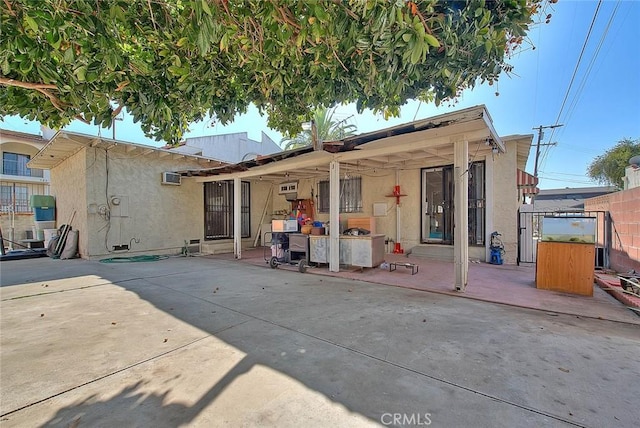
pixel 211 342
pixel 505 284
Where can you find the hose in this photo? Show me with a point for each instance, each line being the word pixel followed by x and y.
pixel 133 259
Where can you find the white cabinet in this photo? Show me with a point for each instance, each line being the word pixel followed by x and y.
pixel 363 251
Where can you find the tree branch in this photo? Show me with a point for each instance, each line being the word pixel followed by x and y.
pixel 39 87
pixel 26 85
pixel 117 111
pixel 11 12
pixel 286 15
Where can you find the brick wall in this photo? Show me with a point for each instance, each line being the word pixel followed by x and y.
pixel 624 208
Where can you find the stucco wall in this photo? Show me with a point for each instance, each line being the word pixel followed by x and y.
pixel 624 208
pixel 151 218
pixel 17 224
pixel 504 209
pixel 69 186
pixel 376 187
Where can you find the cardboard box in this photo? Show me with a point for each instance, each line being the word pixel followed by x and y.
pixel 284 226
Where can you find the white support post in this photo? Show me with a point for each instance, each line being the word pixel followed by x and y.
pixel 398 225
pixel 334 216
pixel 237 225
pixel 461 214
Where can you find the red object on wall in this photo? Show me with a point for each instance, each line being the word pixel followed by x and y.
pixel 396 194
pixel 398 249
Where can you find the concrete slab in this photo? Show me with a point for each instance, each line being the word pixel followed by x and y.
pixel 201 342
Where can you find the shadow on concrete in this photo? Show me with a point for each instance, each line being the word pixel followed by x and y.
pixel 129 405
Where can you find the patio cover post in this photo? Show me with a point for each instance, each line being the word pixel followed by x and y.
pixel 334 216
pixel 461 213
pixel 237 226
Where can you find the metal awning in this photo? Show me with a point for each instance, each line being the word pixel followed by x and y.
pixel 527 183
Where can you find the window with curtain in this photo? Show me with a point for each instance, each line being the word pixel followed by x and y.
pixel 350 195
pixel 218 210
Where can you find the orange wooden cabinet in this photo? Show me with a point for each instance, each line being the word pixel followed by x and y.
pixel 368 223
pixel 565 266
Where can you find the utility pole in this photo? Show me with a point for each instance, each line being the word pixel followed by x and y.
pixel 113 126
pixel 539 143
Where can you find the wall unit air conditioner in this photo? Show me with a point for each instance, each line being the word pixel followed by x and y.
pixel 171 178
pixel 290 187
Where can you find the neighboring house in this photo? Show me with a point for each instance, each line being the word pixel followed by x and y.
pixel 567 199
pixel 440 185
pixel 18 182
pixel 232 148
pixel 121 195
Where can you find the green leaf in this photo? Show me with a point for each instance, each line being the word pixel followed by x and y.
pixel 69 56
pixel 432 41
pixel 205 7
pixel 26 65
pixel 487 46
pixel 416 53
pixel 81 73
pixel 31 23
pixel 406 37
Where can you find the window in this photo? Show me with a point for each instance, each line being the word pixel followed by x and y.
pixel 14 198
pixel 15 164
pixel 218 210
pixel 438 204
pixel 350 195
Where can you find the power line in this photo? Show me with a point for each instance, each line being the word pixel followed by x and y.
pixel 576 98
pixel 575 70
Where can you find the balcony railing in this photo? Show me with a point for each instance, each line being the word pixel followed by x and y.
pixel 12 167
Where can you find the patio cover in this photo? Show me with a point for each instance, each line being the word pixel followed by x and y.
pixel 447 138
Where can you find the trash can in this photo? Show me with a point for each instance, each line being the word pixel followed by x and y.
pixel 44 207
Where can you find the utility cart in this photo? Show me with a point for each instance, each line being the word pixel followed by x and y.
pixel 287 245
pixel 287 248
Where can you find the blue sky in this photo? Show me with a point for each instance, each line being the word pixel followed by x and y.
pixel 601 107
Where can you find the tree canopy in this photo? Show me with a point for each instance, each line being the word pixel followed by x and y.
pixel 172 62
pixel 609 167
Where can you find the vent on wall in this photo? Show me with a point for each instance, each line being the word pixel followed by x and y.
pixel 171 178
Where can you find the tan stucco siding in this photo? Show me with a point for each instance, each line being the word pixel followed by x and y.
pixel 151 217
pixel 26 148
pixel 504 210
pixel 69 187
pixel 260 202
